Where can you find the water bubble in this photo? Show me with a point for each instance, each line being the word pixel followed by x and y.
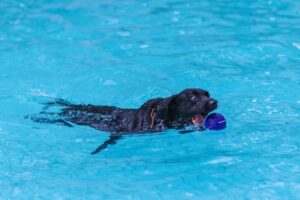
pixel 297 45
pixel 286 148
pixel 181 32
pixel 267 73
pixel 126 46
pixel 272 18
pixel 144 46
pixel 78 140
pixel 175 19
pixel 147 172
pixel 124 33
pixel 222 159
pixel 189 194
pixel 109 82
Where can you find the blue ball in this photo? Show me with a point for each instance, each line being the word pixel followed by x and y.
pixel 215 121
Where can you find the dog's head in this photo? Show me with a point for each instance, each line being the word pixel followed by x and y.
pixel 190 105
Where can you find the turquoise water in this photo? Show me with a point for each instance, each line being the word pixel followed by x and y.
pixel 246 53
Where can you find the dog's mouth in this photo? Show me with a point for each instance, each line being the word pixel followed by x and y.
pixel 198 119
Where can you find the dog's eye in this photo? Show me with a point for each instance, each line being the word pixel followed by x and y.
pixel 193 99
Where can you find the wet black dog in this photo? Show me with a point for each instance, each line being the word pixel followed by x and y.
pixel 189 107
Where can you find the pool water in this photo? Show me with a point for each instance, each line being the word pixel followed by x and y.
pixel 246 53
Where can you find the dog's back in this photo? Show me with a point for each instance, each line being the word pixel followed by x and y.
pixel 105 118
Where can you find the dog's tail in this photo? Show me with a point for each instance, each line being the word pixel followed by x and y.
pixel 57 102
pixel 39 119
pixel 51 113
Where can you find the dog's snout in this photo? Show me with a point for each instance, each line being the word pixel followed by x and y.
pixel 212 101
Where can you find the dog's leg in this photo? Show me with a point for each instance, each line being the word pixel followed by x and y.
pixel 186 131
pixel 112 140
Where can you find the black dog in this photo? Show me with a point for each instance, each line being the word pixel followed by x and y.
pixel 178 111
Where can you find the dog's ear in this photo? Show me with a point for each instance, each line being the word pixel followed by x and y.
pixel 164 107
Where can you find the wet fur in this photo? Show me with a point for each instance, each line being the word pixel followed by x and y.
pixel 154 115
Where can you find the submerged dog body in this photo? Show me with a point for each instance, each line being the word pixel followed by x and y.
pixel 178 111
pixel 189 107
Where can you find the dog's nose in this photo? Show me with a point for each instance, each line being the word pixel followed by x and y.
pixel 212 101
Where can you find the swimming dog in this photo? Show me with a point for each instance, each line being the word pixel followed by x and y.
pixel 187 108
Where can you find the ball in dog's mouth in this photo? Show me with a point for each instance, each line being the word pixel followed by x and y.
pixel 198 119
